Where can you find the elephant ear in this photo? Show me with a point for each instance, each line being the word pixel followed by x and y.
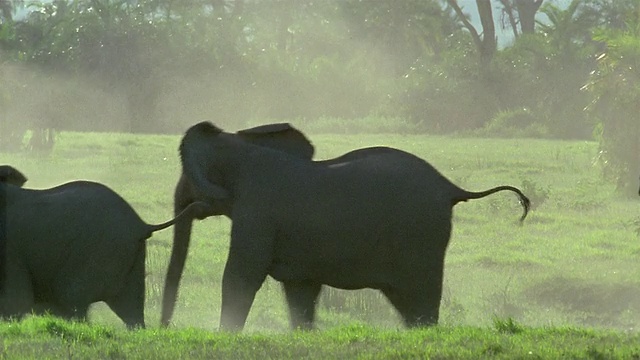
pixel 267 129
pixel 204 128
pixel 11 175
pixel 196 158
pixel 280 136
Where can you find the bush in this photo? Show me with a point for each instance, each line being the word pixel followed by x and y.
pixel 515 123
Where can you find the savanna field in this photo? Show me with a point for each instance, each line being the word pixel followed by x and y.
pixel 565 284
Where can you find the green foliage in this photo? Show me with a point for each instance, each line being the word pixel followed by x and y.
pixel 515 123
pixel 508 340
pixel 507 326
pixel 536 193
pixel 545 80
pixel 616 91
pixel 157 65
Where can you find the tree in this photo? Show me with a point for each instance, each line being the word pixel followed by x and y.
pixel 615 88
pixel 521 12
pixel 486 42
pixel 401 32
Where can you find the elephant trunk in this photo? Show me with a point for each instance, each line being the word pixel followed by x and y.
pixel 181 240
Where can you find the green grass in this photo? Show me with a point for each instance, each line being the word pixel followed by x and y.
pixel 48 338
pixel 569 278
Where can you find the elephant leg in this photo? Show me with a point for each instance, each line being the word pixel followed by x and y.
pixel 46 308
pixel 73 292
pixel 17 297
pixel 416 309
pixel 301 298
pixel 246 269
pixel 129 303
pixel 71 301
pixel 70 312
pixel 418 304
pixel 238 292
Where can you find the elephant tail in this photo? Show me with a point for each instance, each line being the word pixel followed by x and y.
pixel 465 195
pixel 194 210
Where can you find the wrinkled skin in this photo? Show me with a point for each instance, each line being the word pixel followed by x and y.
pixel 72 245
pixel 381 221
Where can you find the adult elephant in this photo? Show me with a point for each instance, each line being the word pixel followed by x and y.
pixel 379 221
pixel 72 245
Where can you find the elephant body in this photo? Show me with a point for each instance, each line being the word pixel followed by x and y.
pixel 375 218
pixel 70 246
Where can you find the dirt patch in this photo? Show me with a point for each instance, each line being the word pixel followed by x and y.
pixel 596 303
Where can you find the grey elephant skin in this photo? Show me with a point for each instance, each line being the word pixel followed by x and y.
pixel 380 221
pixel 73 245
pixel 281 136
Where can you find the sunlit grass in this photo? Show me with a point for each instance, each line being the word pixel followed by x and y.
pixel 48 338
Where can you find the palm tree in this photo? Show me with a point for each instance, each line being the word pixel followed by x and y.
pixel 616 101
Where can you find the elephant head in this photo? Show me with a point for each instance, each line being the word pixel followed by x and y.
pixel 11 175
pixel 210 180
pixel 282 137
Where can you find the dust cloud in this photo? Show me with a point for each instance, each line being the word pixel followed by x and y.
pixel 168 99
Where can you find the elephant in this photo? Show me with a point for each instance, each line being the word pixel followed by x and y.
pixel 378 220
pixel 72 245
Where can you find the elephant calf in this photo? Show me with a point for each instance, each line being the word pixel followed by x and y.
pixel 72 245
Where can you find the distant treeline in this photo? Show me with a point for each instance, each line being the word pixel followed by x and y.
pixel 160 65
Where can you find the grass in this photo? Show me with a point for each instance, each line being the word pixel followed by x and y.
pixel 566 284
pixel 48 338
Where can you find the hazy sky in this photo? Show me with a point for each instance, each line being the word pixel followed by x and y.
pixel 505 36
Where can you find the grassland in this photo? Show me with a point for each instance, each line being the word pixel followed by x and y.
pixel 565 284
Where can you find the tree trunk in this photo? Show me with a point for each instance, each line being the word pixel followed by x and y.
pixel 488 45
pixel 527 10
